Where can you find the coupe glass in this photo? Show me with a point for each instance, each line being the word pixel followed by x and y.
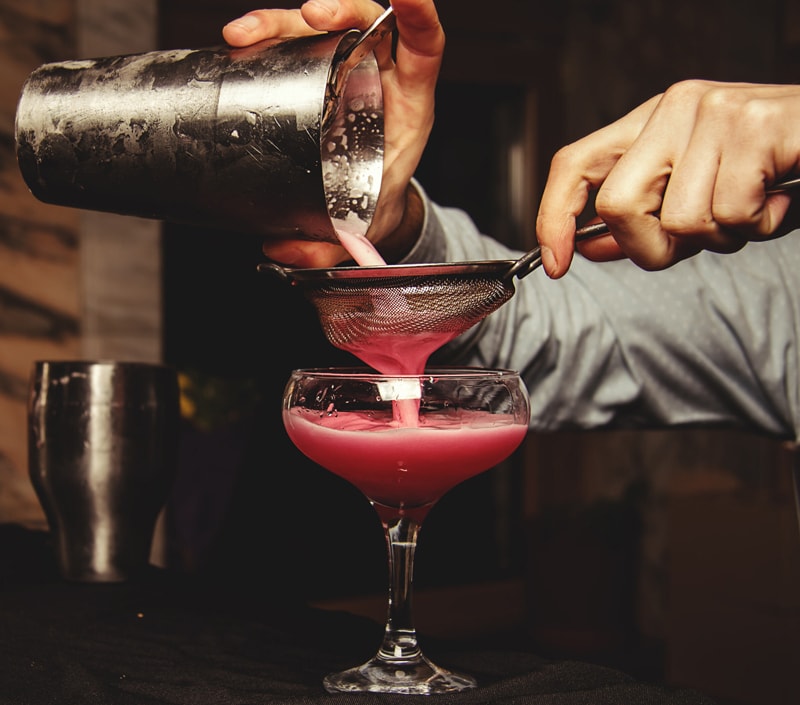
pixel 404 441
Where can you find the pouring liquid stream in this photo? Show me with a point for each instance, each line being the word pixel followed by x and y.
pixel 394 354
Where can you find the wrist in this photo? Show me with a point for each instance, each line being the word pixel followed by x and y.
pixel 399 241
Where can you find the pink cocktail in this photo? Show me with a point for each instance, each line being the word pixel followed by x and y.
pixel 404 441
pixel 401 468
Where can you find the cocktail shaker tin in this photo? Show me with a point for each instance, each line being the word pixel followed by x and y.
pixel 103 456
pixel 265 140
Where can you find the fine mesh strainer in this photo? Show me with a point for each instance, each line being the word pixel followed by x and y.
pixel 358 305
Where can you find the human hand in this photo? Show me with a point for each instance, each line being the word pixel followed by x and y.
pixel 408 83
pixel 685 171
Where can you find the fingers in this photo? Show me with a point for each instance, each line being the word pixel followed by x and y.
pixel 631 199
pixel 421 35
pixel 265 24
pixel 302 253
pixel 575 171
pixel 686 171
pixel 340 14
pixel 408 81
pixel 744 130
pixel 313 17
pixel 696 176
pixel 419 52
pixel 408 89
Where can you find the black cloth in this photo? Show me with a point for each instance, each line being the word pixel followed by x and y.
pixel 168 640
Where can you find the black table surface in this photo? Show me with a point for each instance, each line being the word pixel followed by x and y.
pixel 163 639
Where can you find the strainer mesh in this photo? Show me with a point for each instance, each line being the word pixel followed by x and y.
pixel 354 311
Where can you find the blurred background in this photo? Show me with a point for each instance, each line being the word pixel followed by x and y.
pixel 674 555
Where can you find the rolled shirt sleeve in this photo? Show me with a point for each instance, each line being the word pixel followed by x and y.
pixel 712 340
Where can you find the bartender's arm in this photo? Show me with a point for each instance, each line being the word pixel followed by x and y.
pixel 712 340
pixel 685 171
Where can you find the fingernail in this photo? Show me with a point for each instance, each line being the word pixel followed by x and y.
pixel 549 261
pixel 247 22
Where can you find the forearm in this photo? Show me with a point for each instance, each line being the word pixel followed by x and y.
pixel 713 340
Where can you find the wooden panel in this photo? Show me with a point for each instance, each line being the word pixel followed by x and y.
pixel 45 258
pixel 39 288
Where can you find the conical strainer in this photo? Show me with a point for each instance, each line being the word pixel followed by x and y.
pixel 360 305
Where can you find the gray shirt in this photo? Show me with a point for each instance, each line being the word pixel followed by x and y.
pixel 712 340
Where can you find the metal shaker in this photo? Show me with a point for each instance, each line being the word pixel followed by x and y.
pixel 103 454
pixel 281 139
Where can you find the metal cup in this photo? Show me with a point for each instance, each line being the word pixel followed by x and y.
pixel 283 139
pixel 103 450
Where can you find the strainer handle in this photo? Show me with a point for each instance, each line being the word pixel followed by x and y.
pixel 531 260
pixel 276 269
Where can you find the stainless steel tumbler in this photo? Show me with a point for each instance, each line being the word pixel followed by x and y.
pixel 282 139
pixel 103 447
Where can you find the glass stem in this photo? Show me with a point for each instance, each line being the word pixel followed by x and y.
pixel 400 637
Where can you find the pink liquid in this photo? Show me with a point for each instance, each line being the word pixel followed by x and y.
pixel 399 466
pixel 358 246
pixel 389 354
pixel 400 354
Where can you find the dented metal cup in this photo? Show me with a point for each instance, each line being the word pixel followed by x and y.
pixel 271 140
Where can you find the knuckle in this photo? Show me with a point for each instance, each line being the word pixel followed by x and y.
pixel 756 116
pixel 742 214
pixel 565 159
pixel 613 205
pixel 686 91
pixel 685 223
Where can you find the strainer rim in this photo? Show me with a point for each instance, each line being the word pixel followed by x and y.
pixel 496 268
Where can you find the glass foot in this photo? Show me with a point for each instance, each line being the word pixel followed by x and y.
pixel 419 677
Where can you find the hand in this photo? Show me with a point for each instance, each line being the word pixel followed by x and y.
pixel 685 171
pixel 408 83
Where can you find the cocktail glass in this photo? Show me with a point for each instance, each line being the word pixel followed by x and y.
pixel 404 441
